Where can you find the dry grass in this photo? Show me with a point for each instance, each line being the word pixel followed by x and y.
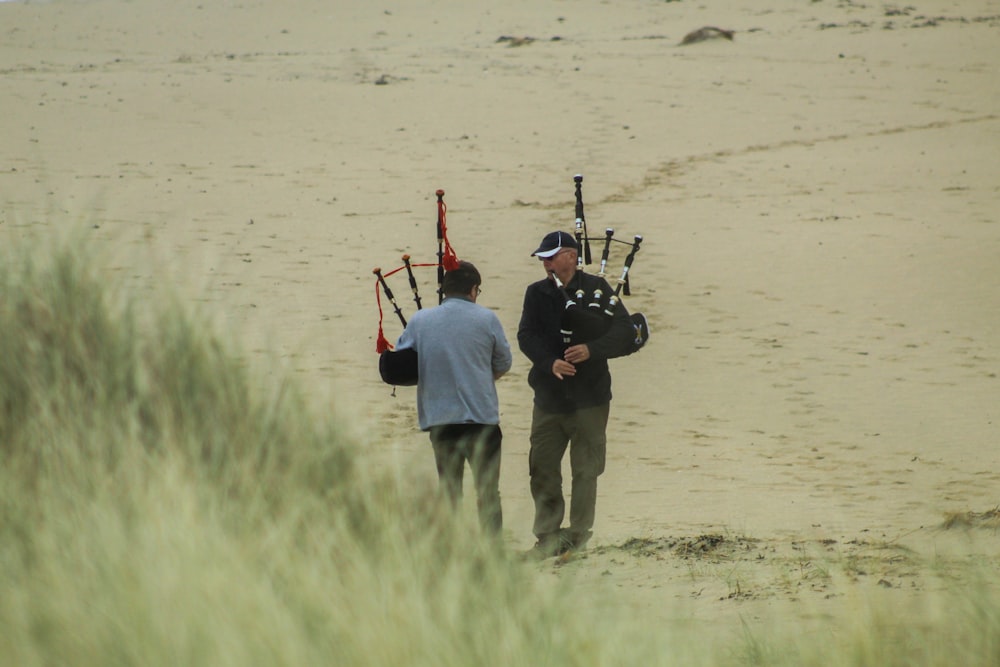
pixel 161 503
pixel 989 519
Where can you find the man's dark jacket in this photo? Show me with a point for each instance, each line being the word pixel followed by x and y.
pixel 540 339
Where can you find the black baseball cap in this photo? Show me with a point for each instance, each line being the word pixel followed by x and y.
pixel 553 243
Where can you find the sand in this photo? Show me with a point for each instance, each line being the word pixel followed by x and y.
pixel 818 200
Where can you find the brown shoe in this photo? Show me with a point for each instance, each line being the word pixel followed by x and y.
pixel 546 547
pixel 572 542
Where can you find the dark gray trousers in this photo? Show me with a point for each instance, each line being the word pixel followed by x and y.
pixel 479 444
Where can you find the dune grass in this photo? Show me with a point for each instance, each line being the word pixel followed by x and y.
pixel 162 502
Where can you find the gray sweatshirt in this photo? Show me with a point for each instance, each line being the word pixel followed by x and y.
pixel 461 348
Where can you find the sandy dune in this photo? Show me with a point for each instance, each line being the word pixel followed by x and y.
pixel 818 199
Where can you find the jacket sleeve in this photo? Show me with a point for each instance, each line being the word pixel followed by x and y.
pixel 532 337
pixel 502 357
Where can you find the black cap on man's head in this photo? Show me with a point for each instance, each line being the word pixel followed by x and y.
pixel 553 243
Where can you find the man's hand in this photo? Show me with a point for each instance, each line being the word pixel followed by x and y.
pixel 576 354
pixel 562 369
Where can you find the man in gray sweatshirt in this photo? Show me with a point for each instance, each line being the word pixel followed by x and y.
pixel 461 352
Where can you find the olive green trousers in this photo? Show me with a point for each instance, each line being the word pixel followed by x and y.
pixel 584 433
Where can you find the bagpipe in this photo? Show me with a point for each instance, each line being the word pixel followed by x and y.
pixel 587 317
pixel 399 367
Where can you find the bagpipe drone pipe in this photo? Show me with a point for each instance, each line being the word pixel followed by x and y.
pixel 589 316
pixel 399 367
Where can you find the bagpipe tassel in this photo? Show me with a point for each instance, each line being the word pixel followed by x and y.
pixel 449 259
pixel 382 343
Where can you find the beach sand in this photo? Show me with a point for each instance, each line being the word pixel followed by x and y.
pixel 818 200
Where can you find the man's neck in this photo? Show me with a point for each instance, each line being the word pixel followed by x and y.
pixel 568 277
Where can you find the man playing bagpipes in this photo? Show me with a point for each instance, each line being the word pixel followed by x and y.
pixel 571 324
pixel 461 350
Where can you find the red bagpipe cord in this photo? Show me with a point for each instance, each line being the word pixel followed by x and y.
pixel 450 260
pixel 381 344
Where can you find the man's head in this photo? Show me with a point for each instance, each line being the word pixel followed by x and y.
pixel 461 281
pixel 558 252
